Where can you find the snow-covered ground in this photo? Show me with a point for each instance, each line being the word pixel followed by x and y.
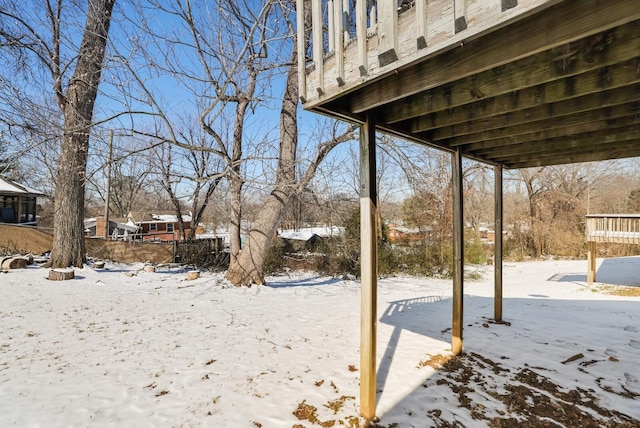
pixel 109 348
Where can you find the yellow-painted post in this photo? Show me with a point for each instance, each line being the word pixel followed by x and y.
pixel 458 252
pixel 368 269
pixel 497 248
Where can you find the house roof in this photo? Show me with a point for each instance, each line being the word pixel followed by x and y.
pixel 126 225
pixel 307 233
pixel 9 187
pixel 144 217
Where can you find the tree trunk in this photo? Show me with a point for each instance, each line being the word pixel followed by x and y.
pixel 68 228
pixel 248 266
pixel 235 242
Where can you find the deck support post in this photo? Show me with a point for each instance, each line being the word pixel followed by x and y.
pixel 497 247
pixel 368 269
pixel 591 262
pixel 458 252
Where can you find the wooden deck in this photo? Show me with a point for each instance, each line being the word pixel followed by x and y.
pixel 612 228
pixel 512 83
pixel 517 83
pixel 353 44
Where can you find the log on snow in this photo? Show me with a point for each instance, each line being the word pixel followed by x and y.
pixel 14 263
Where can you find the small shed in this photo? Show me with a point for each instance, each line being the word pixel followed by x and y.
pixel 301 240
pixel 17 202
pixel 309 238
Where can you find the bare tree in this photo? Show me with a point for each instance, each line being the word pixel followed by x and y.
pixel 75 83
pixel 188 175
pixel 557 198
pixel 248 267
pixel 129 164
pixel 216 53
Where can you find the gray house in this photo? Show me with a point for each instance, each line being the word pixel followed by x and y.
pixel 17 202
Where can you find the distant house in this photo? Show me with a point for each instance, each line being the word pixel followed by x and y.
pixel 119 229
pixel 17 203
pixel 159 227
pixel 405 234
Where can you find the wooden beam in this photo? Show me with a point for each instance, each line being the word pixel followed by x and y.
pixel 369 268
pixel 631 149
pixel 591 262
pixel 497 245
pixel 589 83
pixel 606 125
pixel 585 98
pixel 590 54
pixel 562 23
pixel 458 252
pixel 495 126
pixel 623 139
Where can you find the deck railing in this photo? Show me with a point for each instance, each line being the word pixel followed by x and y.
pixel 343 43
pixel 615 228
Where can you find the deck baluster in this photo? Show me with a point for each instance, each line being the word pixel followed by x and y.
pixel 388 32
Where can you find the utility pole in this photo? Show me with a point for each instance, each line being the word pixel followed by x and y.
pixel 107 194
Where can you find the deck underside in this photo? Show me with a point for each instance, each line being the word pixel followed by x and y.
pixel 558 86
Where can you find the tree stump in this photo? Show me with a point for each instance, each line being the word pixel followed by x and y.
pixel 61 274
pixel 150 269
pixel 98 265
pixel 14 263
pixel 193 274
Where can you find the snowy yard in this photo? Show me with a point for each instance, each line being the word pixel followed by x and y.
pixel 108 349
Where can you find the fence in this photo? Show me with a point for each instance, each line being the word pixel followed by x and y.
pixel 203 253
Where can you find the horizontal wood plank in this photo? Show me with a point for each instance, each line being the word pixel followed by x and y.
pixel 563 23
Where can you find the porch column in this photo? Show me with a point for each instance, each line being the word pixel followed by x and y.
pixel 458 252
pixel 19 210
pixel 497 248
pixel 368 268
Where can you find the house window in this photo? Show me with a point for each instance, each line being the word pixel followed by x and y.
pixel 169 227
pixel 153 227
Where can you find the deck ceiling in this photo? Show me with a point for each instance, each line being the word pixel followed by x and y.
pixel 560 86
